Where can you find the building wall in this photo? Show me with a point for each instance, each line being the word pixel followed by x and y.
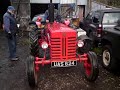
pixel 81 2
pixel 3 8
pixel 67 1
pixel 44 1
pixel 54 1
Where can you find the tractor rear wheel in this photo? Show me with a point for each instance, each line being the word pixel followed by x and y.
pixel 42 53
pixel 31 72
pixel 34 47
pixel 90 66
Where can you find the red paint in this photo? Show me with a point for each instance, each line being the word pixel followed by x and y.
pixel 42 61
pixel 62 41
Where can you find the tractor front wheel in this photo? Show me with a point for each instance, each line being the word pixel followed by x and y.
pixel 31 72
pixel 90 67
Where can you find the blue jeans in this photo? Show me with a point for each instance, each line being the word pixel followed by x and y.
pixel 12 46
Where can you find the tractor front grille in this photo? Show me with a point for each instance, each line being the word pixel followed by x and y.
pixel 71 49
pixel 63 48
pixel 55 48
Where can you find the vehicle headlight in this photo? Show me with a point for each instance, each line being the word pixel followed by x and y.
pixel 44 45
pixel 80 43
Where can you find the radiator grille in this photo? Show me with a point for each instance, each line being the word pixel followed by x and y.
pixel 71 49
pixel 55 48
pixel 63 48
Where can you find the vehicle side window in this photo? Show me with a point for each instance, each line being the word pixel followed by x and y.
pixel 111 18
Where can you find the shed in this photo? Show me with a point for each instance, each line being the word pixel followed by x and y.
pixel 26 9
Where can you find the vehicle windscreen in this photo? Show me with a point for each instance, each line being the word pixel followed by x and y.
pixel 111 18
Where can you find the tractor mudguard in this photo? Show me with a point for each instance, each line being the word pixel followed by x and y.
pixel 84 37
pixel 87 44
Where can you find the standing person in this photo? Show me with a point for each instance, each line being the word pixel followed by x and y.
pixel 10 28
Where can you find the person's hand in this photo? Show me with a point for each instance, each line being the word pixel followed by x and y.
pixel 9 35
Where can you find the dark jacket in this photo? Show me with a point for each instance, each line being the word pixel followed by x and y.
pixel 9 23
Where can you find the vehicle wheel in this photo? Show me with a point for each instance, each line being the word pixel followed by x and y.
pixel 31 72
pixel 31 27
pixel 108 61
pixel 33 37
pixel 91 69
pixel 42 52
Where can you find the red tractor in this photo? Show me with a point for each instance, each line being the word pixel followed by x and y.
pixel 59 45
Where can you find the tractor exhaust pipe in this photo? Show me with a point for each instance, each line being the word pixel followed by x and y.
pixel 51 12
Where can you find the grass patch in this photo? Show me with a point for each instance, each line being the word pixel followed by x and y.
pixel 97 50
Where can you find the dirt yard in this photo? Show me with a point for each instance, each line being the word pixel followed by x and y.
pixel 13 74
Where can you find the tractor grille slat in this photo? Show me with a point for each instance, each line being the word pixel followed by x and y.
pixel 63 47
pixel 71 47
pixel 55 48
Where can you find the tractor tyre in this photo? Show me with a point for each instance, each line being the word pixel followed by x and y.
pixel 33 37
pixel 90 67
pixel 108 61
pixel 31 72
pixel 42 53
pixel 32 26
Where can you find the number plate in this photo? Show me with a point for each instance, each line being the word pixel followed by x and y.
pixel 64 64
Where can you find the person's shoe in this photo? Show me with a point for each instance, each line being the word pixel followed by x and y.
pixel 14 59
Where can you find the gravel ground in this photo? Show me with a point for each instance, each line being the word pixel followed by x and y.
pixel 13 74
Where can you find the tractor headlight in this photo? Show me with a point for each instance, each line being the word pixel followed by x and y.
pixel 80 43
pixel 44 45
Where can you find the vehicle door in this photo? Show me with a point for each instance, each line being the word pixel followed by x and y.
pixel 110 22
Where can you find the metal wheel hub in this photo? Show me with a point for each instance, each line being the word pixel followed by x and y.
pixel 106 57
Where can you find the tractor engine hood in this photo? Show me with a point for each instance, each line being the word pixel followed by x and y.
pixel 56 29
pixel 63 41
